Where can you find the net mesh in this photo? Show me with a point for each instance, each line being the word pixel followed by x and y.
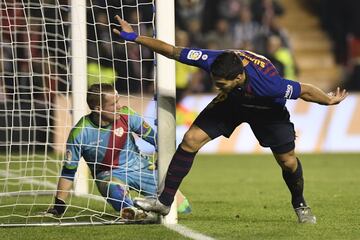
pixel 36 99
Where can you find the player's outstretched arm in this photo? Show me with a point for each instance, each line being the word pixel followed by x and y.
pixel 311 93
pixel 158 46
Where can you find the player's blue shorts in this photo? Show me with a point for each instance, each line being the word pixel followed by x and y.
pixel 270 122
pixel 114 184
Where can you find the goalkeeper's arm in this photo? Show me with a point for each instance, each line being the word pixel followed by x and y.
pixel 59 207
pixel 158 46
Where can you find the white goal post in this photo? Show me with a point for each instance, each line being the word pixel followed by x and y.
pixel 166 89
pixel 50 52
pixel 79 81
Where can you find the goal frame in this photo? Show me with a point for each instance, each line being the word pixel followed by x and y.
pixel 165 86
pixel 165 96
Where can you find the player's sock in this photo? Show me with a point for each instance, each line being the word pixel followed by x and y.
pixel 295 183
pixel 118 197
pixel 179 167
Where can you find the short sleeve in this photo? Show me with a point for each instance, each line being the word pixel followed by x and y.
pixel 290 89
pixel 72 156
pixel 202 58
pixel 139 126
pixel 133 117
pixel 142 128
pixel 275 87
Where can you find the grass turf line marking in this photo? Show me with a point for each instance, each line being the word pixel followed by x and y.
pixel 187 232
pixel 28 180
pixel 182 230
pixel 48 184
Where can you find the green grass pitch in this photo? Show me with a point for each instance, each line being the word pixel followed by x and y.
pixel 244 197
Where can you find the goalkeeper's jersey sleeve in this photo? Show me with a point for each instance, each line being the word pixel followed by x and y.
pixel 262 78
pixel 105 148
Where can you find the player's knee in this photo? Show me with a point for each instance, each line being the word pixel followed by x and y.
pixel 290 164
pixel 191 142
pixel 113 190
pixel 287 161
pixel 118 197
pixel 194 139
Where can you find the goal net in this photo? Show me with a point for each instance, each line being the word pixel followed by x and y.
pixel 50 52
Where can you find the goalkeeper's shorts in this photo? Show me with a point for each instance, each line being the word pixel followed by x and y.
pixel 142 180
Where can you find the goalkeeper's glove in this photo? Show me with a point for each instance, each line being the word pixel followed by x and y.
pixel 59 207
pixel 128 36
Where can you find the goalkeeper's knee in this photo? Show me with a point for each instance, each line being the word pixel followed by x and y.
pixel 118 197
pixel 115 194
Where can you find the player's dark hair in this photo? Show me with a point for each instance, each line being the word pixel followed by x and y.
pixel 227 65
pixel 96 93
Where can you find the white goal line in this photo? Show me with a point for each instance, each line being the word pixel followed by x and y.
pixel 187 232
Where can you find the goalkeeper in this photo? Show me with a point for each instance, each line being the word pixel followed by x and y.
pixel 104 138
pixel 251 91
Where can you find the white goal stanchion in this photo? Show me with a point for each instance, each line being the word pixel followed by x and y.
pixel 50 52
pixel 79 81
pixel 166 96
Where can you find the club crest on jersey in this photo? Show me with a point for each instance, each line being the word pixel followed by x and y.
pixel 119 132
pixel 194 55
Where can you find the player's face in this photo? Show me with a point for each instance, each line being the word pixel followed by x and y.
pixel 110 106
pixel 226 85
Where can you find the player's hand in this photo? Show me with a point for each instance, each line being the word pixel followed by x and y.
pixel 127 32
pixel 58 209
pixel 337 96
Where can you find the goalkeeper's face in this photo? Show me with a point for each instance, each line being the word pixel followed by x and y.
pixel 110 106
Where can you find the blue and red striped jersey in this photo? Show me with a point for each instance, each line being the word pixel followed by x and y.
pixel 110 147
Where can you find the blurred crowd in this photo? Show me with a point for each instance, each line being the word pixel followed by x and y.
pixel 33 53
pixel 341 20
pixel 35 45
pixel 34 65
pixel 231 24
pixel 35 49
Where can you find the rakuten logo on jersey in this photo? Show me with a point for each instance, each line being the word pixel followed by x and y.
pixel 194 55
pixel 289 91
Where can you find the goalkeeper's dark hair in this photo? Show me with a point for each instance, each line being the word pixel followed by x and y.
pixel 227 65
pixel 96 93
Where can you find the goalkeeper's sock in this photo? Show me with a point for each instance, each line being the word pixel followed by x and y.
pixel 118 197
pixel 179 167
pixel 295 183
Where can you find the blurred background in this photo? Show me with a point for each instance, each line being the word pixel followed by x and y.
pixel 312 41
